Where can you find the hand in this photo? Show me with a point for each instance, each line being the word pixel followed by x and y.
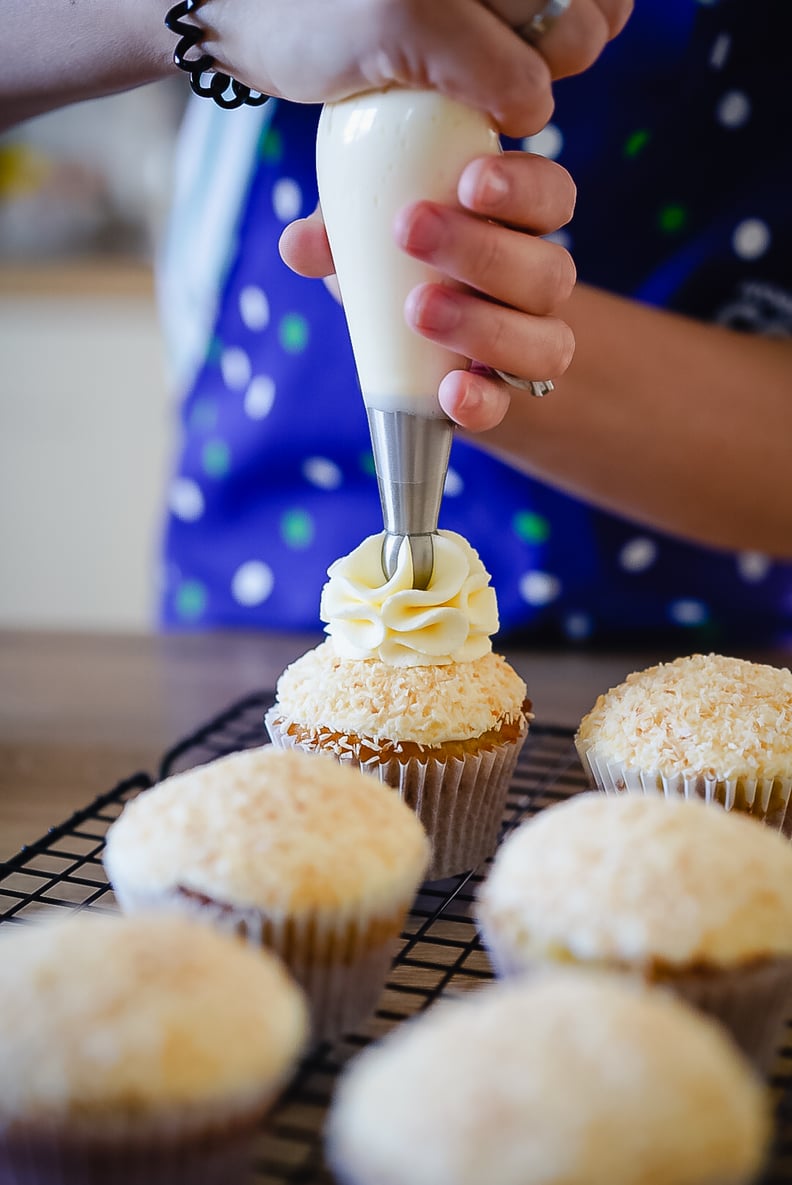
pixel 514 281
pixel 314 51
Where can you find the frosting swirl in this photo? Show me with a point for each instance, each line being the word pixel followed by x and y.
pixel 370 617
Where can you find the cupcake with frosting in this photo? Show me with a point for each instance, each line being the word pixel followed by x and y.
pixel 138 1050
pixel 703 726
pixel 667 892
pixel 298 854
pixel 407 687
pixel 566 1079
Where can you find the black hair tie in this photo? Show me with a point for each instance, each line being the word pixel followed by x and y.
pixel 224 89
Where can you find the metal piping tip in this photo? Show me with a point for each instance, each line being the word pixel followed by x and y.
pixel 421 551
pixel 411 458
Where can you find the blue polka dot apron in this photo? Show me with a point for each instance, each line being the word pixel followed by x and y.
pixel 685 202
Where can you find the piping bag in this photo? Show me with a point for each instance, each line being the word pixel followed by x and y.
pixel 375 153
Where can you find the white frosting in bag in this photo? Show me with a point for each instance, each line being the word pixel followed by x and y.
pixel 370 617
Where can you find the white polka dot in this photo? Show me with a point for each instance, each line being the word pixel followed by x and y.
pixel 454 484
pixel 539 588
pixel 319 471
pixel 734 109
pixel 287 199
pixel 578 626
pixel 260 397
pixel 638 555
pixel 254 308
pixel 751 238
pixel 549 142
pixel 235 365
pixel 185 499
pixel 252 583
pixel 721 48
pixel 753 566
pixel 688 612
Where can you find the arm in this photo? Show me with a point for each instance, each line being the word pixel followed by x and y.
pixel 683 426
pixel 60 51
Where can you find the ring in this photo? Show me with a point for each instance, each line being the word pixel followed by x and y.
pixel 542 21
pixel 537 387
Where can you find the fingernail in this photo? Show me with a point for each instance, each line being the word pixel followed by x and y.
pixel 438 311
pixel 422 230
pixel 484 186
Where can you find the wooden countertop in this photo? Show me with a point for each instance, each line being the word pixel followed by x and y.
pixel 80 712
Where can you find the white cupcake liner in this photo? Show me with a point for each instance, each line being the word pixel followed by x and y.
pixel 767 799
pixel 210 1144
pixel 754 1003
pixel 341 963
pixel 459 800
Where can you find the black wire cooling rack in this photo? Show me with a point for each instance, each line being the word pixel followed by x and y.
pixel 440 954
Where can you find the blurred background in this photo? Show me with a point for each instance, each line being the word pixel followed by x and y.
pixel 87 427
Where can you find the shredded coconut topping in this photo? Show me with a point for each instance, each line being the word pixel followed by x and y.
pixel 566 1079
pixel 705 714
pixel 123 1017
pixel 638 881
pixel 374 701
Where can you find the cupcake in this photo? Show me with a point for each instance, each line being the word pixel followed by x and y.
pixel 699 727
pixel 672 892
pixel 566 1079
pixel 296 853
pixel 407 687
pixel 138 1051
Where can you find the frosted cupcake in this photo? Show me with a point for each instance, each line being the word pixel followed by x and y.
pixel 700 727
pixel 137 1051
pixel 564 1080
pixel 670 892
pixel 407 687
pixel 299 854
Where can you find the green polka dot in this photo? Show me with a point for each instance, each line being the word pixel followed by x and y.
pixel 203 415
pixel 216 458
pixel 293 333
pixel 530 527
pixel 214 350
pixel 190 599
pixel 672 218
pixel 297 528
pixel 636 142
pixel 271 147
pixel 367 464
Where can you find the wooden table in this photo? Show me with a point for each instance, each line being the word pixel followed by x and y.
pixel 79 712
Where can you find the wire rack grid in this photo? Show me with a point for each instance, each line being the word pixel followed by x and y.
pixel 440 953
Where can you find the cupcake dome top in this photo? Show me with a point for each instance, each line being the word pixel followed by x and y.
pixel 287 833
pixel 127 1016
pixel 641 881
pixel 707 714
pixel 426 705
pixel 563 1079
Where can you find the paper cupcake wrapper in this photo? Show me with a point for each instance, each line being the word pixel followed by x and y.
pixel 754 1003
pixel 199 1146
pixel 459 800
pixel 767 799
pixel 341 964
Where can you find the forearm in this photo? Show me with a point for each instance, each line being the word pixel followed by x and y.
pixel 682 426
pixel 62 52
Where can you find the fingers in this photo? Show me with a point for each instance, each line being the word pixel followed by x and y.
pixel 304 247
pixel 578 36
pixel 465 51
pixel 520 189
pixel 475 401
pixel 502 338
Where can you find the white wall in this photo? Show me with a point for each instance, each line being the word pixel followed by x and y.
pixel 85 441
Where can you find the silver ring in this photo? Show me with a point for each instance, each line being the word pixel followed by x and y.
pixel 537 387
pixel 542 21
